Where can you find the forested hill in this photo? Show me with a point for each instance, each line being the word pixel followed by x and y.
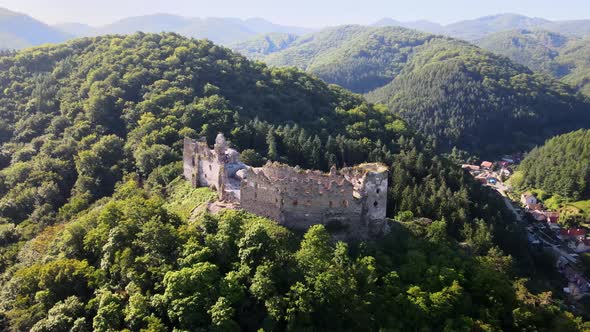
pixel 79 116
pixel 567 58
pixel 263 45
pixel 76 116
pixel 451 91
pixel 560 167
pixel 97 232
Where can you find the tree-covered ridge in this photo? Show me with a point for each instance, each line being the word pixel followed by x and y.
pixel 92 115
pixel 358 58
pixel 449 90
pixel 567 58
pixel 263 45
pixel 560 167
pixel 480 102
pixel 128 262
pixel 80 116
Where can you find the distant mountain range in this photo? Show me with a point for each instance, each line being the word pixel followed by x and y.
pixel 220 30
pixel 20 30
pixel 559 55
pixel 480 27
pixel 450 90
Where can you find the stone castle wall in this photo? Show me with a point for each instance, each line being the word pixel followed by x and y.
pixel 352 200
pixel 299 199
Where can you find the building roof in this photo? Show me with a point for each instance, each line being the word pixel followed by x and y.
pixel 538 215
pixel 535 207
pixel 470 167
pixel 573 232
pixel 487 164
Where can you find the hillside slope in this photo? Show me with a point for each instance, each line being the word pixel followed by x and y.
pixel 263 45
pixel 94 229
pixel 450 90
pixel 560 166
pixel 567 58
pixel 18 31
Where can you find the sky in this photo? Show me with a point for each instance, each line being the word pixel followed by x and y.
pixel 307 13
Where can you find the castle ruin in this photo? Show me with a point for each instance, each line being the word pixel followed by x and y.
pixel 350 201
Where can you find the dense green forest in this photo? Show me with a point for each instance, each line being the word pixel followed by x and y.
pixel 132 263
pixel 451 91
pixel 567 58
pixel 263 45
pixel 97 232
pixel 560 167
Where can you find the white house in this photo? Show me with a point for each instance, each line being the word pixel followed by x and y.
pixel 528 199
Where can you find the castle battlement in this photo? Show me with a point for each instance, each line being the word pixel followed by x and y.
pixel 352 200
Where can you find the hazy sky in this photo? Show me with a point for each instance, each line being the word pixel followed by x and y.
pixel 312 13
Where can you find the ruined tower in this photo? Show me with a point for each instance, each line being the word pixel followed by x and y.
pixel 214 168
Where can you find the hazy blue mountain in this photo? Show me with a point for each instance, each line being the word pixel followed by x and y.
pixel 148 23
pixel 420 25
pixel 262 26
pixel 75 29
pixel 218 29
pixel 19 30
pixel 578 28
pixel 483 26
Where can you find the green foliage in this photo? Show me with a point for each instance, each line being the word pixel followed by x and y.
pixel 561 56
pixel 96 126
pixel 560 166
pixel 262 45
pixel 451 91
pixel 128 263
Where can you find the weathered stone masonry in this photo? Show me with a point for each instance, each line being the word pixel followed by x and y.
pixel 352 200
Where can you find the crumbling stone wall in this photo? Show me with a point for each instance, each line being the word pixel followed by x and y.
pixel 205 167
pixel 351 201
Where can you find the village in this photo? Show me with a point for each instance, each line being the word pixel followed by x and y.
pixel 544 232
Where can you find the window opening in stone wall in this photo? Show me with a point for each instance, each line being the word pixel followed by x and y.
pixel 375 204
pixel 345 203
pixel 331 204
pixel 210 168
pixel 378 190
pixel 295 203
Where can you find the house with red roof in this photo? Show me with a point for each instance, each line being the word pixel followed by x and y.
pixel 552 217
pixel 573 233
pixel 487 165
